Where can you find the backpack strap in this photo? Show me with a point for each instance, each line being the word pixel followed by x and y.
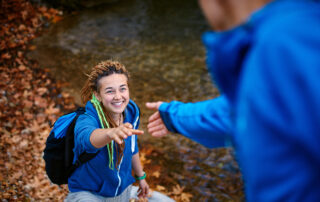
pixel 84 157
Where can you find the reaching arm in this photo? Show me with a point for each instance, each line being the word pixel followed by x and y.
pixel 101 137
pixel 207 122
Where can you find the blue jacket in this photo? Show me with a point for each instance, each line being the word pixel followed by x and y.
pixel 268 71
pixel 95 175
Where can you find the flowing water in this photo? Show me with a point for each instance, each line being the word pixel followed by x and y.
pixel 160 44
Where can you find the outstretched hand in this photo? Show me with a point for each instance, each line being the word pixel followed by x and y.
pixel 156 127
pixel 123 131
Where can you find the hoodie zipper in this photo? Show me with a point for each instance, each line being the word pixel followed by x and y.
pixel 133 142
pixel 119 178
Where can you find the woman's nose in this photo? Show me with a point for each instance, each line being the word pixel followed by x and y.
pixel 117 95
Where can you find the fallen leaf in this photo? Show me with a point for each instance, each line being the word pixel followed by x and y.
pixel 185 197
pixel 160 188
pixel 22 67
pixel 177 190
pixel 56 19
pixel 52 110
pixel 6 56
pixel 32 47
pixel 156 174
pixel 42 90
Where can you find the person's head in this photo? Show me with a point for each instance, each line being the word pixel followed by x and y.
pixel 226 14
pixel 108 81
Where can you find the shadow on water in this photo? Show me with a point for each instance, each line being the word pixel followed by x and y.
pixel 160 44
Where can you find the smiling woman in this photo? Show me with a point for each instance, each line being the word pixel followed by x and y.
pixel 113 92
pixel 109 123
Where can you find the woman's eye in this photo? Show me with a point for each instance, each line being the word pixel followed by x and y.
pixel 109 92
pixel 123 89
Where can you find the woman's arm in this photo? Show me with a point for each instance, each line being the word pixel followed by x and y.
pixel 138 171
pixel 101 137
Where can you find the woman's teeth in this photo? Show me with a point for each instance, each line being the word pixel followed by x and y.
pixel 117 103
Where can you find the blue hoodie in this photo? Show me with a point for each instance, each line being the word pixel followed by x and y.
pixel 95 175
pixel 268 71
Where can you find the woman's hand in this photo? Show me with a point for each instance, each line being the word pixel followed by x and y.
pixel 100 137
pixel 143 190
pixel 122 132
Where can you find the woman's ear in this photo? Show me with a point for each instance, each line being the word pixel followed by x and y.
pixel 97 96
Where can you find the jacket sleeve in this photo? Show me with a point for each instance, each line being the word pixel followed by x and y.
pixel 206 122
pixel 85 125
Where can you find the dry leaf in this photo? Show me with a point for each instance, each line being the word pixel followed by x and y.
pixel 156 174
pixel 160 188
pixel 185 197
pixel 52 110
pixel 6 56
pixel 177 190
pixel 22 67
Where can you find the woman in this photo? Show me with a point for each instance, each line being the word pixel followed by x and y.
pixel 107 127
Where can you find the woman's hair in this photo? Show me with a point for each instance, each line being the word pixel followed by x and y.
pixel 104 68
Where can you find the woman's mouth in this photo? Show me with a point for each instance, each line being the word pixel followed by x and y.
pixel 117 104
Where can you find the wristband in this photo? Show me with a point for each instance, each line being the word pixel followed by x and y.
pixel 142 177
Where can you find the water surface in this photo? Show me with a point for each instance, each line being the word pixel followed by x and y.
pixel 160 44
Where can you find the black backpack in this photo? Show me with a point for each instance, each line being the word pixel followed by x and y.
pixel 58 153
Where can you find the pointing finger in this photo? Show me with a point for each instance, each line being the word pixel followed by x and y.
pixel 137 132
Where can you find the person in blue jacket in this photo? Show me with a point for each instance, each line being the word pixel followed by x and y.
pixel 264 57
pixel 109 127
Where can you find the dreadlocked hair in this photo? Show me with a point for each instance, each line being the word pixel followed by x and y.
pixel 91 86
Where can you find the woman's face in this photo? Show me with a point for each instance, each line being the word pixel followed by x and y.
pixel 113 92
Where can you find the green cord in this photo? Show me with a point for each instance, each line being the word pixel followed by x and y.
pixel 101 115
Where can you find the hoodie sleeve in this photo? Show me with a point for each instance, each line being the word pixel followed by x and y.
pixel 206 122
pixel 85 125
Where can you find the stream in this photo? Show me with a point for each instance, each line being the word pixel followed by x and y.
pixel 159 42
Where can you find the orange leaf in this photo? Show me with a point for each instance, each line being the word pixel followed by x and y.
pixel 160 188
pixel 56 19
pixel 177 190
pixel 6 56
pixel 156 174
pixel 186 197
pixel 52 110
pixel 42 90
pixel 32 47
pixel 22 67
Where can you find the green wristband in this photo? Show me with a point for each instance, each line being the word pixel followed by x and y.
pixel 142 177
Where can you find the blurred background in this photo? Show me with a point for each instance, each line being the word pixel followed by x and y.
pixel 160 44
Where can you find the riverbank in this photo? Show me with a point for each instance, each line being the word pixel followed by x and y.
pixel 31 100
